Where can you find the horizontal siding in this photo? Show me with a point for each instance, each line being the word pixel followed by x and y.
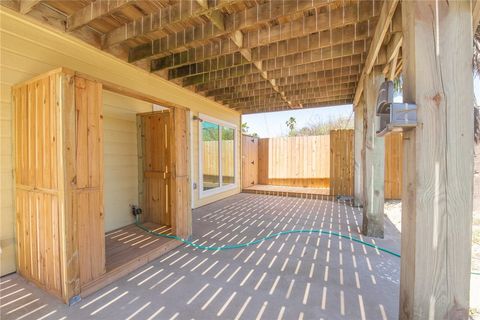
pixel 28 49
pixel 121 157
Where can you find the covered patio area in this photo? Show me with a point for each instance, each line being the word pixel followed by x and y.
pixel 297 276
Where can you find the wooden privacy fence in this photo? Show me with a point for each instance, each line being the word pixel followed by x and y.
pixel 210 155
pixel 294 161
pixel 316 161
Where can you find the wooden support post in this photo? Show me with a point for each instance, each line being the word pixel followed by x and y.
pixel 358 141
pixel 373 161
pixel 438 161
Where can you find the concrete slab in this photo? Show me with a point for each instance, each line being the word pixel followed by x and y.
pixel 297 276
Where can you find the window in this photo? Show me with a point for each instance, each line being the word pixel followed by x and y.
pixel 217 156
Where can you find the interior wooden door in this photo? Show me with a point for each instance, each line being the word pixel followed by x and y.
pixel 154 166
pixel 249 161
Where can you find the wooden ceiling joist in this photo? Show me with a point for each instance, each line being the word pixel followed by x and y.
pixel 230 25
pixel 219 86
pixel 158 24
pixel 353 18
pixel 254 108
pixel 260 89
pixel 233 72
pixel 329 76
pixel 95 10
pixel 251 55
pixel 345 88
pixel 216 64
pixel 299 37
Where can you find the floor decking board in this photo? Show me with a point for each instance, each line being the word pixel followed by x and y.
pixel 297 276
pixel 121 248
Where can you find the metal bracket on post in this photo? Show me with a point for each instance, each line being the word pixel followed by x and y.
pixel 394 116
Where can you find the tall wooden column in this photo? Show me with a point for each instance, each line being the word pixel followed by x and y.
pixel 438 161
pixel 358 140
pixel 373 160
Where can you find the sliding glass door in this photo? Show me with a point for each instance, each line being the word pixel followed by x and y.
pixel 217 156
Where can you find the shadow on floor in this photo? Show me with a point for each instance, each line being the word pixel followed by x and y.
pixel 298 276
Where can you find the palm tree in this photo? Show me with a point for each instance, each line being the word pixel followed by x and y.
pixel 476 52
pixel 291 123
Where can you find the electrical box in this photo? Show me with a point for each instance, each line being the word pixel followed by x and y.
pixel 394 116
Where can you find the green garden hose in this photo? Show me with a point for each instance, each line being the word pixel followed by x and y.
pixel 254 242
pixel 274 235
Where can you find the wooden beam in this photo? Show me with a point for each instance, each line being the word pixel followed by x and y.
pixel 95 10
pixel 234 24
pixel 290 91
pixel 333 22
pixel 233 72
pixel 261 88
pixel 326 75
pixel 190 36
pixel 386 14
pixel 438 161
pixel 211 65
pixel 394 46
pixel 52 17
pixel 299 95
pixel 268 102
pixel 28 5
pixel 349 51
pixel 392 74
pixel 158 23
pixel 249 108
pixel 373 160
pixel 299 36
pixel 195 71
pixel 308 56
pixel 238 38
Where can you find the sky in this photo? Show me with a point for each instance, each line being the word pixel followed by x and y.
pixel 272 124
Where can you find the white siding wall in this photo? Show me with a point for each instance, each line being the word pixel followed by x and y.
pixel 121 157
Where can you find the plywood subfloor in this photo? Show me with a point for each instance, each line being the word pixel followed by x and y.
pixel 286 190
